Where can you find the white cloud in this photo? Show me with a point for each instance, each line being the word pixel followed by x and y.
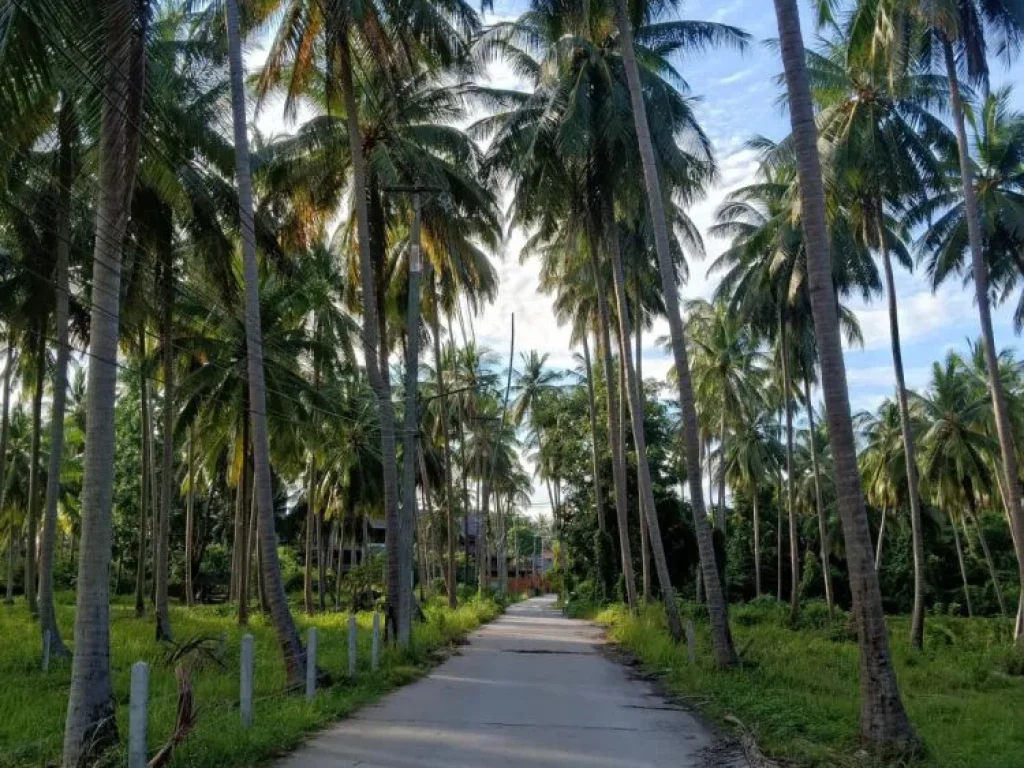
pixel 882 377
pixel 727 11
pixel 923 315
pixel 736 77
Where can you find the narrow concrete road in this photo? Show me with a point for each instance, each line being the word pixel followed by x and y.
pixel 531 689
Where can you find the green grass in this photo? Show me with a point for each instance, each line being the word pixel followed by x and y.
pixel 797 690
pixel 33 703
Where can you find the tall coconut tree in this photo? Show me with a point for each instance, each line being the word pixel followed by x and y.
pixel 700 35
pixel 90 725
pixel 752 456
pixel 281 618
pixel 881 136
pixel 726 368
pixel 5 424
pixel 957 448
pixel 67 155
pixel 883 463
pixel 884 724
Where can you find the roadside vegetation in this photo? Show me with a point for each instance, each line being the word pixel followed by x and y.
pixel 33 704
pixel 796 690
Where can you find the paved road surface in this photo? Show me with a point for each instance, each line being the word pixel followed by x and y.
pixel 531 689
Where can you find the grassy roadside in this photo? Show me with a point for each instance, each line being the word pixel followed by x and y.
pixel 797 690
pixel 33 703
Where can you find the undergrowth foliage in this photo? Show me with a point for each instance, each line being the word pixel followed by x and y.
pixel 797 686
pixel 33 703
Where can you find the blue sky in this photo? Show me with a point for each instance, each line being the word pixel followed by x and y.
pixel 739 99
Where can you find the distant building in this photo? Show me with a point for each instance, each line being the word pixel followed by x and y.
pixel 370 542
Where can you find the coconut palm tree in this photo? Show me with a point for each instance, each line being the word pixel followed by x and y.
pixel 90 724
pixel 752 455
pixel 957 448
pixel 697 35
pixel 67 138
pixel 281 618
pixel 884 724
pixel 5 423
pixel 727 367
pixel 881 135
pixel 883 462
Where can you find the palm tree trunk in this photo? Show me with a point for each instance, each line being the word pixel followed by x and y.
pixel 823 539
pixel 410 443
pixel 711 474
pixel 34 474
pixel 5 424
pixel 375 366
pixel 972 509
pixel 140 572
pixel 725 653
pixel 423 523
pixel 881 538
pixel 592 413
pixel 482 492
pixel 190 523
pixel 449 493
pixel 311 517
pixel 91 725
pixel 321 573
pixel 794 543
pixel 464 472
pixel 47 609
pixel 154 490
pixel 243 528
pixel 963 568
pixel 910 450
pixel 645 490
pixel 615 444
pixel 12 543
pixel 778 536
pixel 645 534
pixel 163 616
pixel 884 724
pixel 281 617
pixel 979 268
pixel 720 509
pixel 757 543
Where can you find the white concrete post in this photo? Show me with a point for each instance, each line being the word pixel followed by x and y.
pixel 311 664
pixel 245 691
pixel 46 651
pixel 375 648
pixel 352 632
pixel 691 640
pixel 138 715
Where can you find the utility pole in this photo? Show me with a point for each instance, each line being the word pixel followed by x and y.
pixel 408 515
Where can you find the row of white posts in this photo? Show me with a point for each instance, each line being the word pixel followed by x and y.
pixel 138 709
